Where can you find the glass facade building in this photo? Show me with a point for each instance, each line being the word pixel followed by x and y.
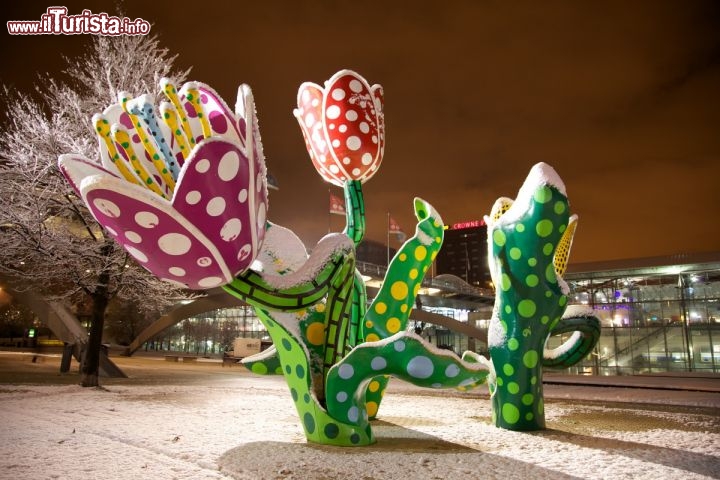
pixel 657 315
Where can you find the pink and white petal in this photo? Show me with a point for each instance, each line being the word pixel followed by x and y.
pixel 217 189
pixel 158 237
pixel 351 123
pixel 76 168
pixel 221 118
pixel 243 105
pixel 310 117
pixel 245 110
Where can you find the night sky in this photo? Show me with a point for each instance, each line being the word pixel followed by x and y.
pixel 621 98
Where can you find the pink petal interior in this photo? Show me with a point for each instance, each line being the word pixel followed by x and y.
pixel 217 191
pixel 157 237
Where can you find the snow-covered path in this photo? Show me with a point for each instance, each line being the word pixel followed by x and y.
pixel 207 423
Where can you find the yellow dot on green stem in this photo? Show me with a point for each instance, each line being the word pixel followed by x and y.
pixel 399 290
pixel 393 325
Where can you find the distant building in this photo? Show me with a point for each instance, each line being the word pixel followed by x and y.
pixel 464 253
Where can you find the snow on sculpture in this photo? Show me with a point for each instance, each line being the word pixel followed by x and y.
pixel 182 188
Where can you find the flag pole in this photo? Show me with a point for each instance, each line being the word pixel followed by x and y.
pixel 388 239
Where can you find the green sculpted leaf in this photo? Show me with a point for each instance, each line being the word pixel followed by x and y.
pixel 404 355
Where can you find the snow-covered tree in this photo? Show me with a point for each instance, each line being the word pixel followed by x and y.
pixel 50 242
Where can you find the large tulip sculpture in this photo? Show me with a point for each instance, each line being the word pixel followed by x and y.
pixel 184 192
pixel 182 187
pixel 529 241
pixel 191 216
pixel 337 355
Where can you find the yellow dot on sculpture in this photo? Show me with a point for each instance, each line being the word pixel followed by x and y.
pixel 372 408
pixel 402 257
pixel 420 253
pixel 399 290
pixel 320 307
pixel 433 255
pixel 372 337
pixel 393 325
pixel 316 333
pixel 374 385
pixel 380 308
pixel 413 273
pixel 369 324
pixel 403 308
pixel 416 289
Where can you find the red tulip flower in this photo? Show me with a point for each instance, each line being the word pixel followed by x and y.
pixel 343 126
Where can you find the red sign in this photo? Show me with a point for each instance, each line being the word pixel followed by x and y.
pixel 469 224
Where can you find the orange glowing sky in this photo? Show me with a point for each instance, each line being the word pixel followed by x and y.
pixel 622 98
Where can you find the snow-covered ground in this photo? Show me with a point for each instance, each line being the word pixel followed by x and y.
pixel 175 421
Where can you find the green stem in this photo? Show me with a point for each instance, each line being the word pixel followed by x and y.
pixel 577 346
pixel 355 229
pixel 355 211
pixel 529 300
pixel 391 308
pixel 300 289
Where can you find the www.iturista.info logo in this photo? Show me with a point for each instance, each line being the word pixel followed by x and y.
pixel 57 22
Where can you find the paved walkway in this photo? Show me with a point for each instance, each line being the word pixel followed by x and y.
pixel 675 389
pixel 691 381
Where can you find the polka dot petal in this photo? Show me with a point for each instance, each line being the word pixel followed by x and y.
pixel 352 148
pixel 171 244
pixel 225 220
